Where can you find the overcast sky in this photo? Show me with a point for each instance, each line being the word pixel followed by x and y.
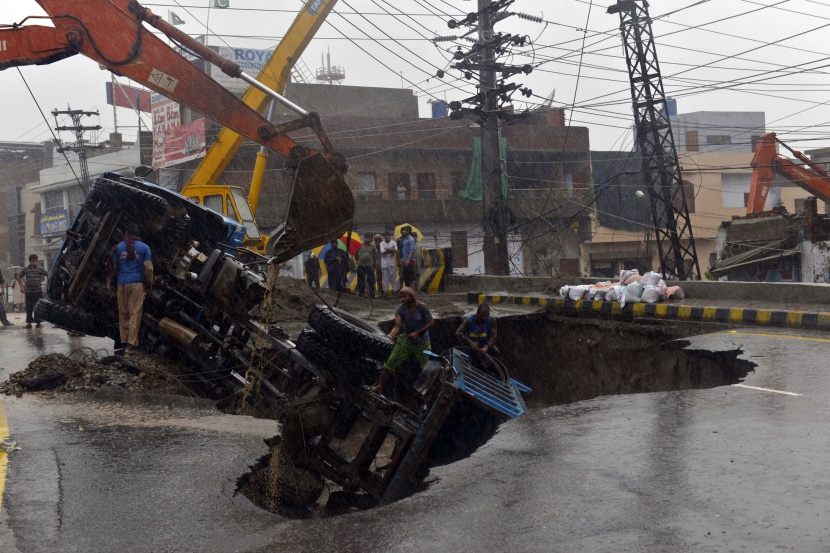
pixel 715 55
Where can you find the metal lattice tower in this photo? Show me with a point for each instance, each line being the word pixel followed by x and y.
pixel 669 210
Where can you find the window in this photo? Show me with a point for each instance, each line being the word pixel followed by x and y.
pixel 692 141
pixel 366 182
pixel 459 183
pixel 366 186
pixel 52 200
pixel 399 185
pixel 458 246
pixel 76 197
pixel 568 185
pixel 718 140
pixel 800 205
pixel 735 188
pixel 426 186
pixel 689 192
pixel 215 203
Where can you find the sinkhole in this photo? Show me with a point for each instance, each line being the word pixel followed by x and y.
pixel 563 360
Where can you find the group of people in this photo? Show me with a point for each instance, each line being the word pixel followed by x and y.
pixel 383 265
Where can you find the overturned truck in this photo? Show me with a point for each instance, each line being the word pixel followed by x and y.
pixel 209 309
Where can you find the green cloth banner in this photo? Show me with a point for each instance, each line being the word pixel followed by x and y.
pixel 473 190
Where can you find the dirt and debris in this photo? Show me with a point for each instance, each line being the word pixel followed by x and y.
pixel 83 371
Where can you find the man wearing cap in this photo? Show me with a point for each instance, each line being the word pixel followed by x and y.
pixel 388 249
pixel 365 260
pixel 412 323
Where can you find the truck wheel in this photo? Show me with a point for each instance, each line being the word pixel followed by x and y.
pixel 358 371
pixel 70 318
pixel 115 195
pixel 351 333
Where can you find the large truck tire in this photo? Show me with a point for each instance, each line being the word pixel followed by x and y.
pixel 315 348
pixel 108 194
pixel 70 318
pixel 350 333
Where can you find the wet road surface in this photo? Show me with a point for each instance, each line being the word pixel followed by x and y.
pixel 723 469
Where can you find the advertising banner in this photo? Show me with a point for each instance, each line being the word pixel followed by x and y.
pixel 172 141
pixel 249 59
pixel 53 223
pixel 124 96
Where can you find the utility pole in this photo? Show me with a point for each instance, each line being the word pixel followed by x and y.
pixel 491 109
pixel 80 146
pixel 496 257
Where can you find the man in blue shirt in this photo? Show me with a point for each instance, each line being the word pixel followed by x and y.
pixel 133 267
pixel 408 256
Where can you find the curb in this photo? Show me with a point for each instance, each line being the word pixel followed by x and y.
pixel 738 316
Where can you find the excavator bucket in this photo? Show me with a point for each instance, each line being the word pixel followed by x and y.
pixel 321 210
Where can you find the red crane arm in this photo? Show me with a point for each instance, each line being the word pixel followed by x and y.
pixel 767 162
pixel 111 32
pixel 33 45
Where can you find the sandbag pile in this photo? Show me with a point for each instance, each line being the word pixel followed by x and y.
pixel 632 288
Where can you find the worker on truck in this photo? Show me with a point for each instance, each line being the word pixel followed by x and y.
pixel 412 323
pixel 478 331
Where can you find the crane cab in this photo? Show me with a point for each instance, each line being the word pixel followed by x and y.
pixel 231 202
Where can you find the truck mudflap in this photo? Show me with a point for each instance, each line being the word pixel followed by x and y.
pixel 487 390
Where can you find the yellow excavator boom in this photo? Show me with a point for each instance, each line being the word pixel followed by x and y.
pixel 273 75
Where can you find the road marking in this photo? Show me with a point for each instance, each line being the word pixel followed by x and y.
pixel 4 434
pixel 766 390
pixel 772 335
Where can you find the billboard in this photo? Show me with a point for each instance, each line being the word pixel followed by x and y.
pixel 249 59
pixel 53 223
pixel 124 96
pixel 172 141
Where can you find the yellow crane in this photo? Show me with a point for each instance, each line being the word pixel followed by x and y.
pixel 231 201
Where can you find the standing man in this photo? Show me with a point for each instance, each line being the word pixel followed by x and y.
pixel 419 260
pixel 335 260
pixel 133 264
pixel 5 292
pixel 378 272
pixel 29 280
pixel 412 323
pixel 365 259
pixel 388 268
pixel 312 270
pixel 408 256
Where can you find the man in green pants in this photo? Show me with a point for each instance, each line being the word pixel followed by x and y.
pixel 412 323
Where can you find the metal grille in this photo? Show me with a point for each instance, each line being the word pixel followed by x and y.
pixel 489 390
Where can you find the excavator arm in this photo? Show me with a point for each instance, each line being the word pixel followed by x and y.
pixel 767 163
pixel 112 33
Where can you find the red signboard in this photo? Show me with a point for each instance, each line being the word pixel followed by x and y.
pixel 124 96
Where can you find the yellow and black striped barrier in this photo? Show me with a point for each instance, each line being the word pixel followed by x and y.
pixel 728 315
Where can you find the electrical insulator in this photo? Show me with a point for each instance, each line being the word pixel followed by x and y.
pixel 440 74
pixel 534 18
pixel 450 38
